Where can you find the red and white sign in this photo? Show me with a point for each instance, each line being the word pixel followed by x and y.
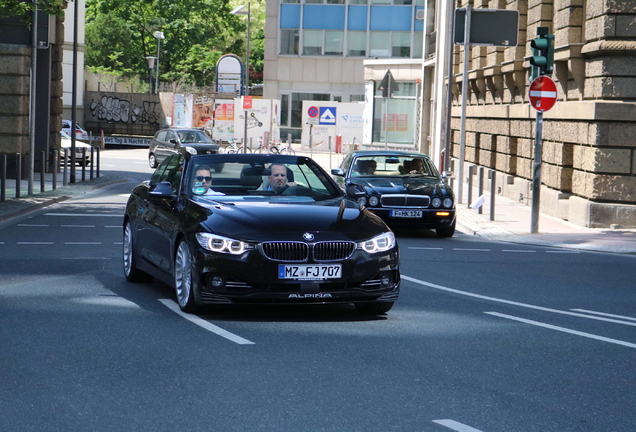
pixel 247 102
pixel 543 93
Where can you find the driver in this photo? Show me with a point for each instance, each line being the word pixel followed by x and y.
pixel 278 179
pixel 203 181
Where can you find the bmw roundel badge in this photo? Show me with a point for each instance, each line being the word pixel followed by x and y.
pixel 308 236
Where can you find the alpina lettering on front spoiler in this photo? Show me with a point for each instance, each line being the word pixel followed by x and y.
pixel 317 295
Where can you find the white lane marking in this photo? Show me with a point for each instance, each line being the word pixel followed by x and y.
pixel 456 426
pixel 425 248
pixel 32 225
pixel 472 250
pixel 82 243
pixel 35 243
pixel 84 214
pixel 604 314
pixel 206 325
pixel 112 226
pixel 563 329
pixel 514 303
pixel 77 226
pixel 563 251
pixel 519 250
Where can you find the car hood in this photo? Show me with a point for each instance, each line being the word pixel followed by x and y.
pixel 202 146
pixel 406 185
pixel 262 221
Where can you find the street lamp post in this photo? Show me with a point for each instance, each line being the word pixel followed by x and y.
pixel 241 11
pixel 159 36
pixel 151 65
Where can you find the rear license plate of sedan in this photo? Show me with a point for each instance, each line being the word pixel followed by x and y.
pixel 310 272
pixel 406 213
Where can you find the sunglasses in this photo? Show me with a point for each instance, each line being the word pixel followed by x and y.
pixel 202 178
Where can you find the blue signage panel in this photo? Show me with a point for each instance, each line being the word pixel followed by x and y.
pixel 327 116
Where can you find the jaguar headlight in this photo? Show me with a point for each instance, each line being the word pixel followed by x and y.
pixel 448 202
pixel 362 201
pixel 380 243
pixel 373 201
pixel 436 202
pixel 191 150
pixel 216 243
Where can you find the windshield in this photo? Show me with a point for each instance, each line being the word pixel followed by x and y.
pixel 393 165
pixel 193 136
pixel 256 179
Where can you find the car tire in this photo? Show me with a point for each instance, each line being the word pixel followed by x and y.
pixel 374 308
pixel 446 232
pixel 132 273
pixel 183 278
pixel 152 161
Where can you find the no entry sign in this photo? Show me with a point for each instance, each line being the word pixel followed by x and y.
pixel 543 93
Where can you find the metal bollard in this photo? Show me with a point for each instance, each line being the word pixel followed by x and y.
pixel 18 173
pixel 469 182
pixel 493 185
pixel 42 172
pixel 92 159
pixel 55 165
pixel 481 188
pixel 98 155
pixel 3 178
pixel 83 164
pixel 65 173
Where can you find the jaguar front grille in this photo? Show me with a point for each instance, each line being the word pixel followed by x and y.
pixel 406 201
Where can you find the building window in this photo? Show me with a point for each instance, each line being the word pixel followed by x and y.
pixel 380 44
pixel 356 98
pixel 312 42
pixel 334 42
pixel 401 44
pixel 289 41
pixel 357 44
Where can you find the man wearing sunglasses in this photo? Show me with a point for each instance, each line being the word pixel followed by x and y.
pixel 203 181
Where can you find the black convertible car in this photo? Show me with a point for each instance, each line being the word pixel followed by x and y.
pixel 267 229
pixel 403 188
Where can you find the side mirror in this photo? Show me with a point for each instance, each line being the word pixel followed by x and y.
pixel 173 141
pixel 355 191
pixel 337 172
pixel 447 174
pixel 161 190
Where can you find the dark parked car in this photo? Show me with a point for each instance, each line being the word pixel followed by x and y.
pixel 403 188
pixel 247 240
pixel 167 142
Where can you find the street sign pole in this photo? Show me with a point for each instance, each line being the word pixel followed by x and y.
pixel 462 128
pixel 536 175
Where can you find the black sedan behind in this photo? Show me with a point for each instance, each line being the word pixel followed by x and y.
pixel 403 188
pixel 237 237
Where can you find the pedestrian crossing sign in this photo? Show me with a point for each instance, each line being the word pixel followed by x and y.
pixel 327 116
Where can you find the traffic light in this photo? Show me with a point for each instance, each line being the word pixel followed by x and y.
pixel 542 58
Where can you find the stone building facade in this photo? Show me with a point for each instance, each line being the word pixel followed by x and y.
pixel 589 137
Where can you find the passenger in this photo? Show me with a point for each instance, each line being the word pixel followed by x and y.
pixel 370 167
pixel 417 166
pixel 203 181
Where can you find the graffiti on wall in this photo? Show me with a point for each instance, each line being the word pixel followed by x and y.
pixel 114 109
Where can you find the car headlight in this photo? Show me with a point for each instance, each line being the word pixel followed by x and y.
pixel 448 202
pixel 380 243
pixel 217 243
pixel 373 201
pixel 436 202
pixel 191 150
pixel 362 201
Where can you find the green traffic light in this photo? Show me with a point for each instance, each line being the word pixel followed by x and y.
pixel 542 54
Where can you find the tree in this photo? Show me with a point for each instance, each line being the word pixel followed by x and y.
pixel 23 10
pixel 197 33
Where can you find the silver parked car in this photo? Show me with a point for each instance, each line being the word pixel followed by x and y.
pixel 167 142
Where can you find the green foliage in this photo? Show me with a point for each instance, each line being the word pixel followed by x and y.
pixel 120 35
pixel 23 10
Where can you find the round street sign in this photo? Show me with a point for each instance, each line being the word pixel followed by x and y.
pixel 543 93
pixel 312 111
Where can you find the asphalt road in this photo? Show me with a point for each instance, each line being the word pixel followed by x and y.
pixel 486 336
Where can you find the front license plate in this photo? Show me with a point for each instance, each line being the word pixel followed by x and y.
pixel 310 272
pixel 406 213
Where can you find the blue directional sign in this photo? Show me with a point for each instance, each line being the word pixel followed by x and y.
pixel 327 116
